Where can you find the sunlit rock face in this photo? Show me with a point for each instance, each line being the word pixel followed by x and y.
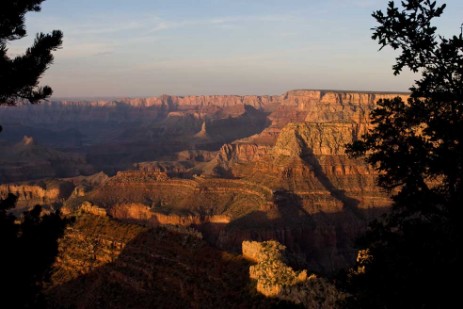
pixel 276 279
pixel 235 168
pixel 43 192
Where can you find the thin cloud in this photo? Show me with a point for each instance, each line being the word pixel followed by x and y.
pixel 226 20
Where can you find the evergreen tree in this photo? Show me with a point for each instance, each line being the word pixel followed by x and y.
pixel 19 76
pixel 417 147
pixel 28 246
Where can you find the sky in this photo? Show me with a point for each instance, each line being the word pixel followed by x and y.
pixel 140 48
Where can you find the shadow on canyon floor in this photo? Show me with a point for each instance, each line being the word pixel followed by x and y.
pixel 322 242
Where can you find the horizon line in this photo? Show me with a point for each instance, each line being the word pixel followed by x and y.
pixel 322 90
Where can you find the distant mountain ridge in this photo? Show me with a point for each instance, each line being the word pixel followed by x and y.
pixel 225 99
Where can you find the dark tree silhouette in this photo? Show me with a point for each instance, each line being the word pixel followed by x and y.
pixel 28 246
pixel 417 147
pixel 28 249
pixel 19 76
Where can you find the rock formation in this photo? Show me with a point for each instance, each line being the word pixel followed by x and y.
pixel 203 133
pixel 276 279
pixel 43 192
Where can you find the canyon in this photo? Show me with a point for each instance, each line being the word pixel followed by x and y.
pixel 103 263
pixel 232 168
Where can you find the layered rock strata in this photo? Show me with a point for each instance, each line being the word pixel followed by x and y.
pixel 103 263
pixel 45 192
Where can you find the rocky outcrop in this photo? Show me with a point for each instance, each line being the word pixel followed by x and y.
pixel 276 279
pixel 91 209
pixel 203 132
pixel 242 152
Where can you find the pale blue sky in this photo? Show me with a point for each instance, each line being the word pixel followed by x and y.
pixel 192 47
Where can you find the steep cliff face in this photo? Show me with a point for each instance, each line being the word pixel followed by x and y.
pixel 45 192
pixel 318 138
pixel 221 101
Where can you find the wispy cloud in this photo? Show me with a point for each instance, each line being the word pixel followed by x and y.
pixel 230 21
pixel 100 35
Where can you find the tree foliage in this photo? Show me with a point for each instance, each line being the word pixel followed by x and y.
pixel 19 76
pixel 28 248
pixel 417 148
pixel 418 145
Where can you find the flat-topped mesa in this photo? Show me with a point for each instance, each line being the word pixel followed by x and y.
pixel 255 101
pixel 335 106
pixel 174 101
pixel 292 97
pixel 339 96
